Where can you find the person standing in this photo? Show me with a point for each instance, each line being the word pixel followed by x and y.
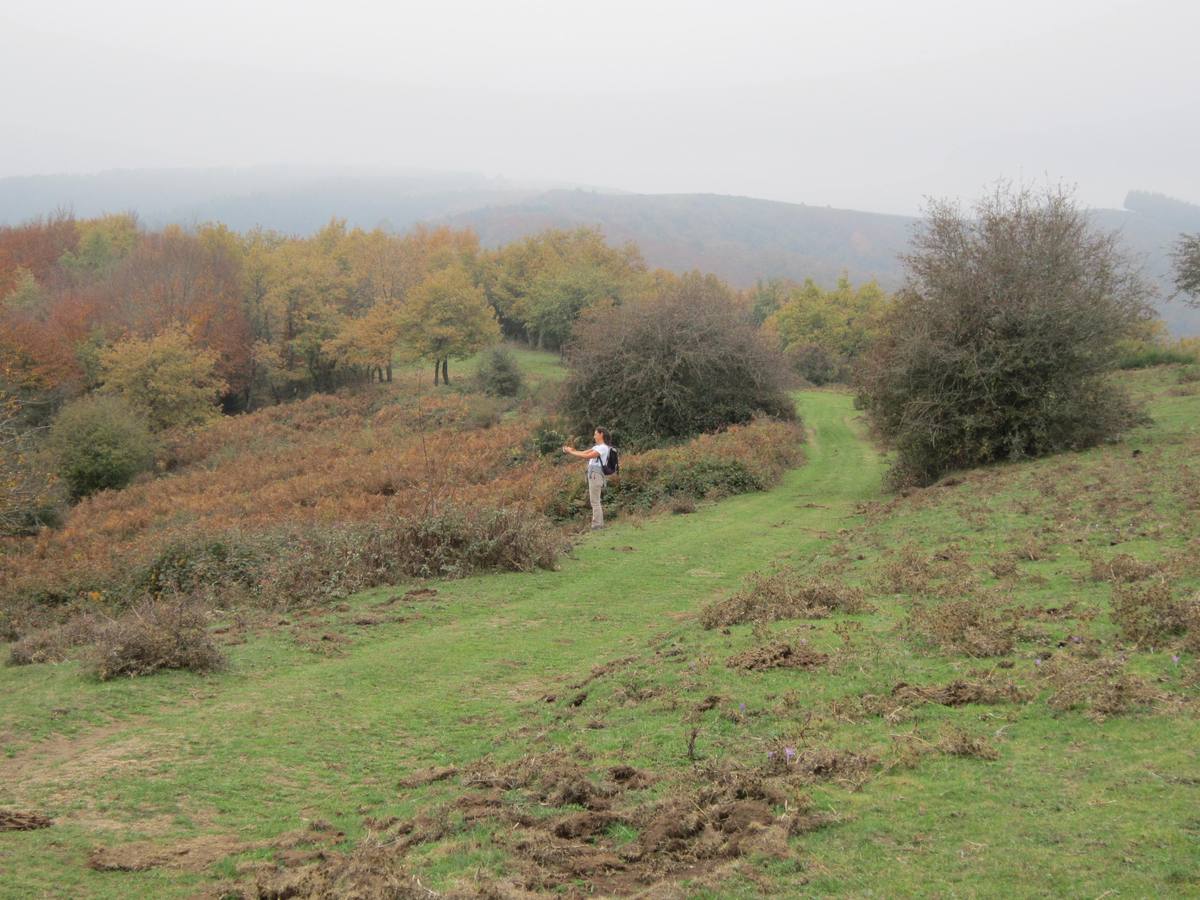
pixel 597 459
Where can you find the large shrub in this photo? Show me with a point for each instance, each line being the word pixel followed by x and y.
pixel 684 361
pixel 1000 345
pixel 101 443
pixel 167 377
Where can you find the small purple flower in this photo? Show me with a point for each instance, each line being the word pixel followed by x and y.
pixel 1175 658
pixel 741 707
pixel 790 753
pixel 1037 661
pixel 1076 639
pixel 770 755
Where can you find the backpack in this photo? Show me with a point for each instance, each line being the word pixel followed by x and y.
pixel 613 465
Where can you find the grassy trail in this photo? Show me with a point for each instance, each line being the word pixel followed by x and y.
pixel 286 736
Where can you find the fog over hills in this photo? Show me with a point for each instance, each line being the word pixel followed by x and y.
pixel 292 199
pixel 739 238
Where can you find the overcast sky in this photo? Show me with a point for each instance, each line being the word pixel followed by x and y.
pixel 866 104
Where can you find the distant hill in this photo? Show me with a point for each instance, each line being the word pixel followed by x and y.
pixel 287 199
pixel 743 239
pixel 739 238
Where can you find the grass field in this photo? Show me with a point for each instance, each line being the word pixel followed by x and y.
pixel 537 366
pixel 337 716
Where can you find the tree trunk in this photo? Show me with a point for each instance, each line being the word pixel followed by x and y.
pixel 436 366
pixel 389 373
pixel 445 370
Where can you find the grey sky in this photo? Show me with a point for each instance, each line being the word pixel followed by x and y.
pixel 863 104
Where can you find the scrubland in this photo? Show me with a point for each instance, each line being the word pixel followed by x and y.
pixel 308 502
pixel 987 686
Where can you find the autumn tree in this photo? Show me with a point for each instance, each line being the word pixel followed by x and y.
pixel 103 242
pixel 539 285
pixel 166 378
pixel 190 279
pixel 370 342
pixel 767 296
pixel 448 317
pixel 36 248
pixel 823 332
pixel 560 293
pixel 303 302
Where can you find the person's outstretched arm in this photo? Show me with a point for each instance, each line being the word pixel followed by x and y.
pixel 582 454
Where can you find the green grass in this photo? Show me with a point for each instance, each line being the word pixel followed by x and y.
pixel 538 367
pixel 285 736
pixel 1147 357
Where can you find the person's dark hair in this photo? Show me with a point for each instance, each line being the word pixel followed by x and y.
pixel 603 432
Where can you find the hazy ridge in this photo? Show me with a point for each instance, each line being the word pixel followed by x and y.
pixel 739 238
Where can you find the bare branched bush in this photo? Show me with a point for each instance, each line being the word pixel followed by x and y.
pixel 1000 345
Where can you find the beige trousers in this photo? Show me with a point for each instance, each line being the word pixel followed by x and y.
pixel 596 482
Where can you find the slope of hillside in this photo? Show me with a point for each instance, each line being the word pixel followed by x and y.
pixel 986 726
pixel 739 238
pixel 743 239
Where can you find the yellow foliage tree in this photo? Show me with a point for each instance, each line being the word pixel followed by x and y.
pixel 166 377
pixel 447 316
pixel 370 341
pixel 539 283
pixel 824 331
